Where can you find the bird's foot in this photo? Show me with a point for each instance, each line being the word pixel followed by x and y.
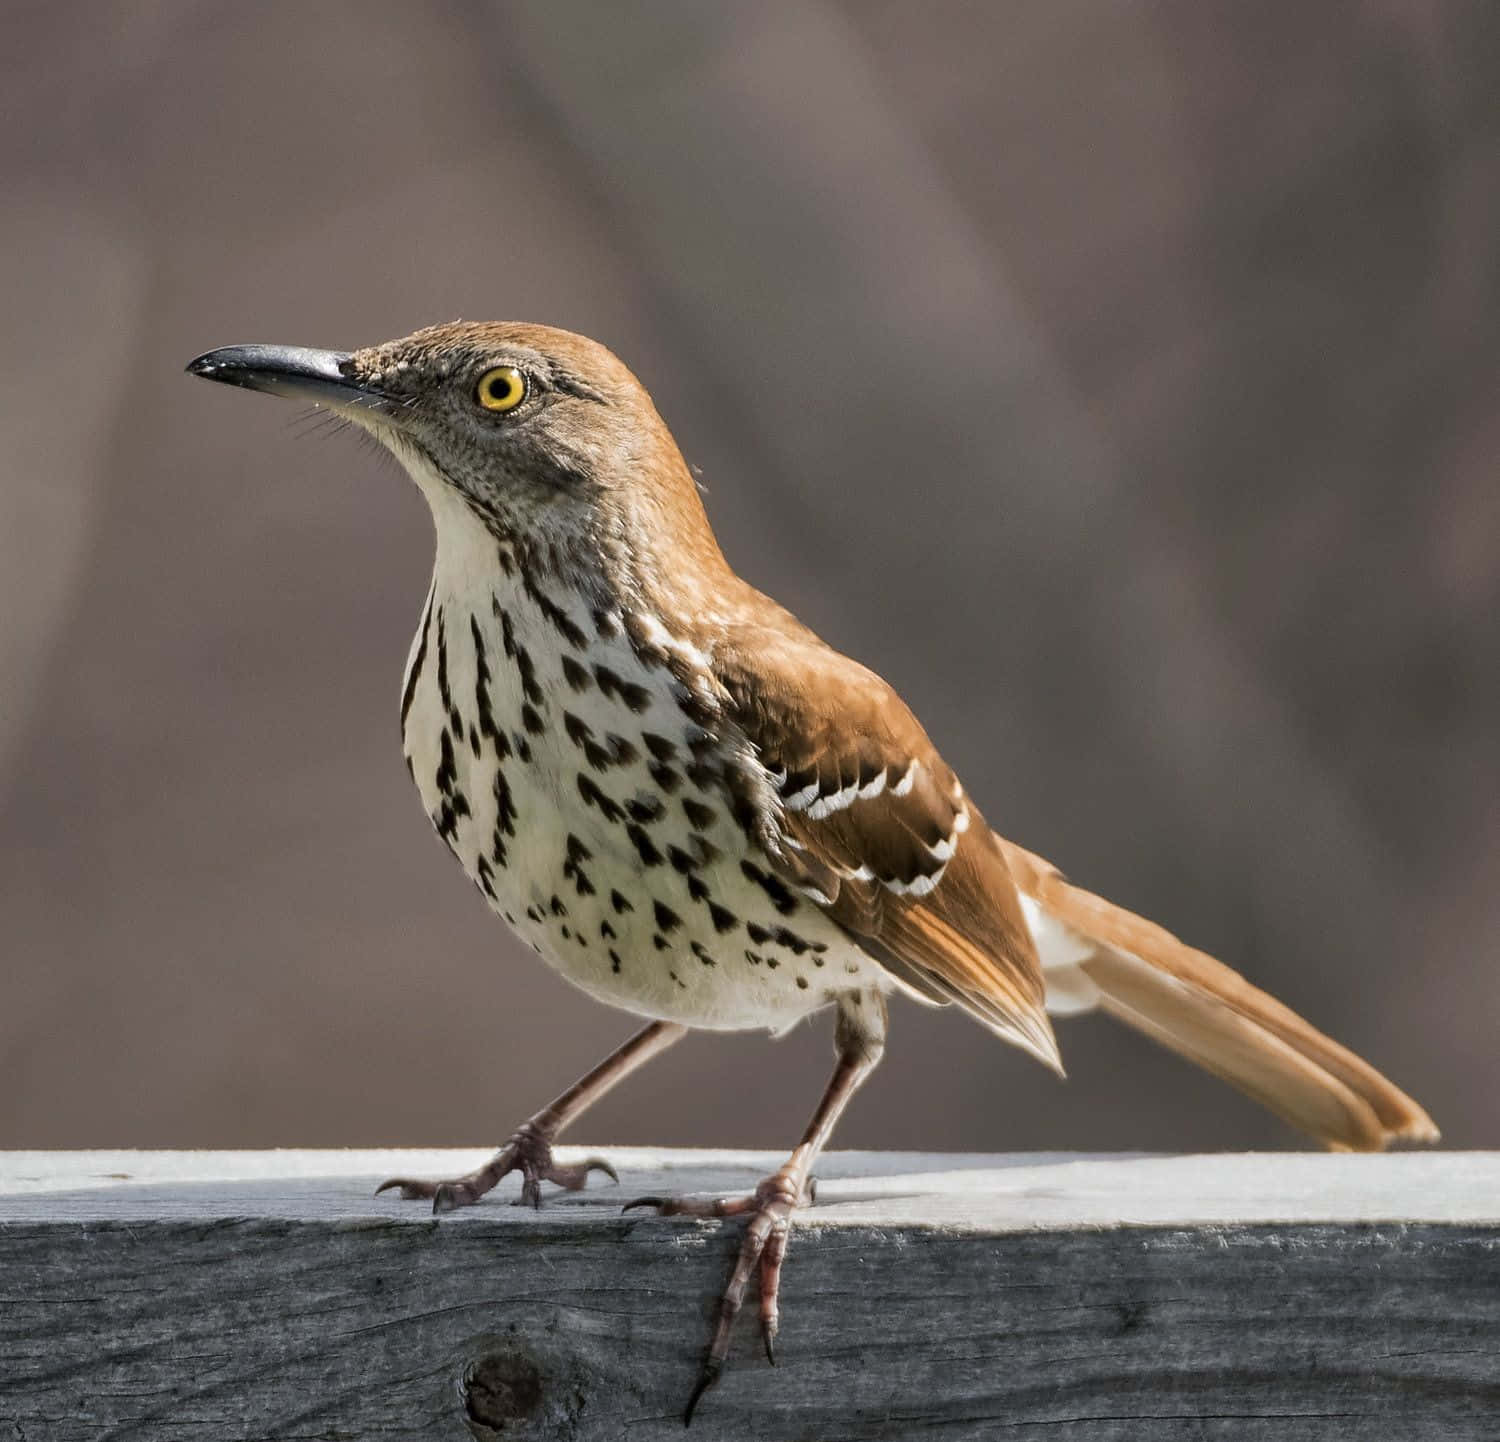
pixel 529 1151
pixel 762 1251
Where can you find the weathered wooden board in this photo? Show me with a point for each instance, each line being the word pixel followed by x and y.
pixel 269 1296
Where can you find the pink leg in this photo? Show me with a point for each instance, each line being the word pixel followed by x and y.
pixel 860 1040
pixel 529 1149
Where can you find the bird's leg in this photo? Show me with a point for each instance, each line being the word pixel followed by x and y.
pixel 529 1149
pixel 860 1040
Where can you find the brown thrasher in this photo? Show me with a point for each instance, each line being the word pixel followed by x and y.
pixel 697 811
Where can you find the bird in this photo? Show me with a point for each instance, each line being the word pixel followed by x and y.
pixel 700 813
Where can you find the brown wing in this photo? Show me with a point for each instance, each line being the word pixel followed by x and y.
pixel 870 821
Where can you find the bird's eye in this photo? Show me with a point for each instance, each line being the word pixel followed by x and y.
pixel 501 389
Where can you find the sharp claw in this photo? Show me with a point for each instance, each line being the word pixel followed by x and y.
pixel 410 1191
pixel 768 1336
pixel 598 1164
pixel 706 1379
pixel 644 1202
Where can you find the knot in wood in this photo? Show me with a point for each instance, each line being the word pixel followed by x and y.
pixel 502 1388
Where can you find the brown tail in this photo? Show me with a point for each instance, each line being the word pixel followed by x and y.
pixel 1198 1007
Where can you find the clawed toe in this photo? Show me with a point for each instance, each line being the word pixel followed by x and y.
pixel 445 1196
pixel 761 1253
pixel 528 1152
pixel 411 1190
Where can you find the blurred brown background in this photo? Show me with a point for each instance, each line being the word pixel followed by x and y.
pixel 1123 381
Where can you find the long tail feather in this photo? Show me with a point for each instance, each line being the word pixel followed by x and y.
pixel 1205 1011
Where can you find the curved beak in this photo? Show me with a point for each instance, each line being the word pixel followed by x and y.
pixel 318 376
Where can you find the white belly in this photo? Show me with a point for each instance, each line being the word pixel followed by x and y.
pixel 558 769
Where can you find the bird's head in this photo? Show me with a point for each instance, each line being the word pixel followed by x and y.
pixel 544 436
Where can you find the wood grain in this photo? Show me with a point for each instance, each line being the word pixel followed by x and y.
pixel 268 1296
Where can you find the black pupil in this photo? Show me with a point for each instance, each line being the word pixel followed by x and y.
pixel 501 388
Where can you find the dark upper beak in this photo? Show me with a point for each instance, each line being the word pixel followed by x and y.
pixel 318 376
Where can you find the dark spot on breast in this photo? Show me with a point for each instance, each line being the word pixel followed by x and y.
pixel 447 773
pixel 620 903
pixel 723 918
pixel 507 561
pixel 759 934
pixel 565 932
pixel 701 817
pixel 697 887
pixel 505 807
pixel 606 931
pixel 588 789
pixel 802 983
pixel 523 747
pixel 570 631
pixel 621 749
pixel 417 663
pixel 534 913
pixel 781 898
pixel 660 748
pixel 706 851
pixel 576 675
pixel 665 777
pixel 442 666
pixel 680 982
pixel 532 720
pixel 558 908
pixel 786 937
pixel 645 809
pixel 473 740
pixel 615 686
pixel 614 960
pixel 578 730
pixel 644 845
pixel 703 955
pixel 660 942
pixel 605 624
pixel 666 918
pixel 578 853
pixel 482 702
pixel 681 860
pixel 526 669
pixel 754 958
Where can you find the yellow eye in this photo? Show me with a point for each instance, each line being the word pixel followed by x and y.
pixel 501 389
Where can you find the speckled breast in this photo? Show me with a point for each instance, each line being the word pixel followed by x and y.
pixel 560 767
